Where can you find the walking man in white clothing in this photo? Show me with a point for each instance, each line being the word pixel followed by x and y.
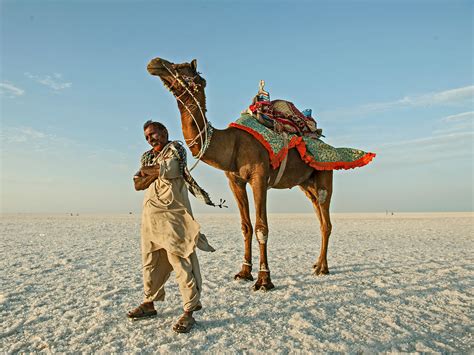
pixel 169 233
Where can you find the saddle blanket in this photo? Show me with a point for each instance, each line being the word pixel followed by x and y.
pixel 283 116
pixel 313 151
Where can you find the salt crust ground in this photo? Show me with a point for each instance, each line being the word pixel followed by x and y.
pixel 400 283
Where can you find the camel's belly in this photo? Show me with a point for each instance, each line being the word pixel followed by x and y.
pixel 296 172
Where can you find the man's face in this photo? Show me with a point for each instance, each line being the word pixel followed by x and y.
pixel 155 137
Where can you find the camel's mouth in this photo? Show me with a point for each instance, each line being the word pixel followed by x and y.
pixel 157 66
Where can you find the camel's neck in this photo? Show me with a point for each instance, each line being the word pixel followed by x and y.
pixel 194 123
pixel 193 120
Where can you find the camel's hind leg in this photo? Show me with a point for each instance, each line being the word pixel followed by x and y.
pixel 319 190
pixel 240 194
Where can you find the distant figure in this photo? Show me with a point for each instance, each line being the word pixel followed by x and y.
pixel 169 233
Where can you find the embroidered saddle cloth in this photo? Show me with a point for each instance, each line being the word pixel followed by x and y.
pixel 283 116
pixel 313 151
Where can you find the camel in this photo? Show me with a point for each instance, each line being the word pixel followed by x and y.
pixel 244 161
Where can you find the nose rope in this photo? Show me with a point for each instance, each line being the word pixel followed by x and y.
pixel 204 142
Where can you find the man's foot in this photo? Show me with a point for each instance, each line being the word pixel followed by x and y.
pixel 145 310
pixel 185 323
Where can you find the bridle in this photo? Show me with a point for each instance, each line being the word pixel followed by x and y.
pixel 190 87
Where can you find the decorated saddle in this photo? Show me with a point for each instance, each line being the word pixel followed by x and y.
pixel 282 116
pixel 280 126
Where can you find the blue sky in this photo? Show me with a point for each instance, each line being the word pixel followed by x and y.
pixel 392 77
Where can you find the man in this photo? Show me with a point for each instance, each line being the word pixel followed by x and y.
pixel 169 233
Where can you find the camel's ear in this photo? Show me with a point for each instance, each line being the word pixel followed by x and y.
pixel 194 64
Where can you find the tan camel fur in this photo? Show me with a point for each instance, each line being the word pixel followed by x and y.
pixel 245 161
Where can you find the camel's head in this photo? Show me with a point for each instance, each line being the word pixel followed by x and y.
pixel 178 77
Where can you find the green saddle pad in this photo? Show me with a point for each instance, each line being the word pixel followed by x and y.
pixel 313 151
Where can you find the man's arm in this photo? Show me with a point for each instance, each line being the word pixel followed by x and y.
pixel 142 181
pixel 147 174
pixel 153 170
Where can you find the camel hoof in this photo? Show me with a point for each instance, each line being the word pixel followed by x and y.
pixel 263 287
pixel 245 277
pixel 320 270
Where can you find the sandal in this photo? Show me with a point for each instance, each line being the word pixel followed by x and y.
pixel 184 324
pixel 141 312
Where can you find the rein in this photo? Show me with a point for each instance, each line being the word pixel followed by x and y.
pixel 208 129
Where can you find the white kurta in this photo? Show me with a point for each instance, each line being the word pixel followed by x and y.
pixel 167 220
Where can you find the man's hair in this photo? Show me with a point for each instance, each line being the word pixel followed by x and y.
pixel 160 126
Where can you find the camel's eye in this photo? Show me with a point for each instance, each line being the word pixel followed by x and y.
pixel 187 79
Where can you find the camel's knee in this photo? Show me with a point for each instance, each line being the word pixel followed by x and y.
pixel 262 228
pixel 326 229
pixel 247 230
pixel 261 232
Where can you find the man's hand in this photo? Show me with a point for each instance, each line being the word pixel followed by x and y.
pixel 142 181
pixel 150 170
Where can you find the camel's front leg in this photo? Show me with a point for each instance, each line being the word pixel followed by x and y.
pixel 240 194
pixel 259 187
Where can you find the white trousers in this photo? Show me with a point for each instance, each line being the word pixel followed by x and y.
pixel 157 267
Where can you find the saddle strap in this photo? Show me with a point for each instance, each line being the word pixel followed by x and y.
pixel 282 167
